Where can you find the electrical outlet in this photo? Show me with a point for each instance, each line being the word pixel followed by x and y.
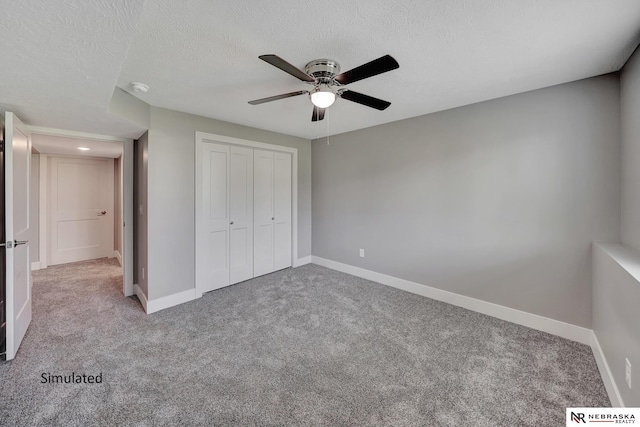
pixel 627 372
pixel 361 253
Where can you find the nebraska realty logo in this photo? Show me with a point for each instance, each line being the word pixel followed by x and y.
pixel 602 415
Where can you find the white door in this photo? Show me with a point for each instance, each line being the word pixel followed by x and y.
pixel 80 209
pixel 263 255
pixel 282 211
pixel 241 214
pixel 213 244
pixel 17 163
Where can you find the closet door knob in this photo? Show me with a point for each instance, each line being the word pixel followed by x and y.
pixel 231 223
pixel 273 218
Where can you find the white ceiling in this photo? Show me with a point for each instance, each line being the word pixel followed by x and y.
pixel 61 61
pixel 201 57
pixel 67 146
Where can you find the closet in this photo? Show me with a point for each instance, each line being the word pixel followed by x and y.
pixel 243 214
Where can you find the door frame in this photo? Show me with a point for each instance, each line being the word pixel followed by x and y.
pixel 203 138
pixel 126 197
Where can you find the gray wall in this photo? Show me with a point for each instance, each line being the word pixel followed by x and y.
pixel 171 210
pixel 498 201
pixel 616 318
pixel 630 101
pixel 134 111
pixel 616 293
pixel 140 239
pixel 34 208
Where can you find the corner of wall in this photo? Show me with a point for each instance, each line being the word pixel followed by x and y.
pixel 616 293
pixel 130 108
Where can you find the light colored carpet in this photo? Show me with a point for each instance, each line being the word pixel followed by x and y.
pixel 305 346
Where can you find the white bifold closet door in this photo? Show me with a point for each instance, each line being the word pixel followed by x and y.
pixel 272 212
pixel 227 212
pixel 282 210
pixel 241 214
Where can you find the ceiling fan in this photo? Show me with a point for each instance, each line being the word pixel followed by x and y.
pixel 327 83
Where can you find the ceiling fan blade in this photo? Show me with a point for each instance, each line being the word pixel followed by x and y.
pixel 318 114
pixel 363 99
pixel 370 69
pixel 278 62
pixel 275 98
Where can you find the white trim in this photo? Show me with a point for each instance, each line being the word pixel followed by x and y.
pixel 302 261
pixel 116 254
pixel 201 138
pixel 605 373
pixel 198 171
pixel 137 290
pixel 35 266
pixel 294 205
pixel 43 211
pixel 74 134
pixel 545 324
pixel 170 300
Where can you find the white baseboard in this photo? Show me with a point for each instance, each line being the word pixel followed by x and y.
pixel 137 290
pixel 302 261
pixel 35 266
pixel 534 321
pixel 605 373
pixel 170 300
pixel 118 256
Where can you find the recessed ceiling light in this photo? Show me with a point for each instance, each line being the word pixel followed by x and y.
pixel 84 148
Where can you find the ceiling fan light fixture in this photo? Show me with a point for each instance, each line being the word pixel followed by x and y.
pixel 323 98
pixel 328 83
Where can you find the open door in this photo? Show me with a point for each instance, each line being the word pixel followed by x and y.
pixel 17 163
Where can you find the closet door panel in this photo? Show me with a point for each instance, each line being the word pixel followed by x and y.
pixel 241 214
pixel 215 195
pixel 263 179
pixel 282 210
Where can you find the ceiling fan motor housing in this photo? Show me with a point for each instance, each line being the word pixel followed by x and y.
pixel 323 70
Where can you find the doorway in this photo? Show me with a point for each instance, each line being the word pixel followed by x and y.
pixel 82 199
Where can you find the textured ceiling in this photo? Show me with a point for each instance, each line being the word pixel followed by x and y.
pixel 203 59
pixel 62 59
